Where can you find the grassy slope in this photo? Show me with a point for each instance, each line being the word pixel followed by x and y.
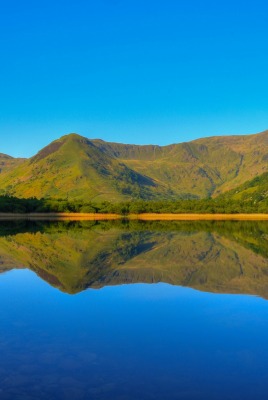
pixel 95 170
pixel 187 169
pixel 255 190
pixel 225 258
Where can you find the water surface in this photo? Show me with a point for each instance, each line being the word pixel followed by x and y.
pixel 133 310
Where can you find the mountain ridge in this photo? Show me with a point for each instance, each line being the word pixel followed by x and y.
pixel 74 166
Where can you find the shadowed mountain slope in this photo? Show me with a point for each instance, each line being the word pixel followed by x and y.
pixel 77 167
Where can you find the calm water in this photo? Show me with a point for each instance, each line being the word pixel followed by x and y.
pixel 134 311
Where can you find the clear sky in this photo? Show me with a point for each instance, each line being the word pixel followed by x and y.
pixel 133 71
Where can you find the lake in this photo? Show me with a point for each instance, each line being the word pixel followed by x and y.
pixel 133 310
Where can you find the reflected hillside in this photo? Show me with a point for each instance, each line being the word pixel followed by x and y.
pixel 220 257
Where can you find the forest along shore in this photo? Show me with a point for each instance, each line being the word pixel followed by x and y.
pixel 143 217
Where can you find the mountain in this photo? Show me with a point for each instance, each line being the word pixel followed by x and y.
pixel 221 258
pixel 76 167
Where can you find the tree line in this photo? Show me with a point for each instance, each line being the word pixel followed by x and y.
pixel 9 204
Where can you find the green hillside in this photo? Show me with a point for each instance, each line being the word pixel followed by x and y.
pixel 78 168
pixel 252 191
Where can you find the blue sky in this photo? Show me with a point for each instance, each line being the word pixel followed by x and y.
pixel 129 71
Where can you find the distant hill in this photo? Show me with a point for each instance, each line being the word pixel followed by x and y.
pixel 7 162
pixel 76 167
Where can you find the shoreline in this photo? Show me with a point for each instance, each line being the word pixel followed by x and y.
pixel 141 217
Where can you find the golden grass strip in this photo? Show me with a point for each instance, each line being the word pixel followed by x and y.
pixel 143 217
pixel 200 217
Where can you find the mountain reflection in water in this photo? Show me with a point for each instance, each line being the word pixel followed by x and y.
pixel 220 257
